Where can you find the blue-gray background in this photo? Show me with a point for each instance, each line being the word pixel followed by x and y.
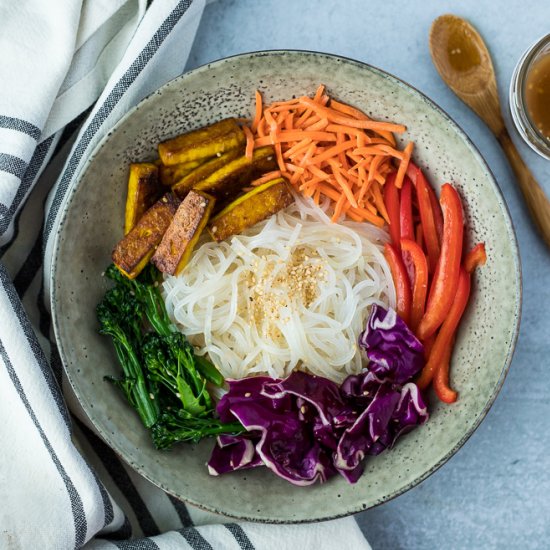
pixel 495 492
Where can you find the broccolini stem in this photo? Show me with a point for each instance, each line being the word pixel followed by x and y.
pixel 156 313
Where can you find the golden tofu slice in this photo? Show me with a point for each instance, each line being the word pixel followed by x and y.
pixel 143 191
pixel 202 143
pixel 169 175
pixel 192 179
pixel 251 208
pixel 133 252
pixel 178 242
pixel 226 182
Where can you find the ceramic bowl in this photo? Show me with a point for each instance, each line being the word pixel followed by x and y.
pixel 93 223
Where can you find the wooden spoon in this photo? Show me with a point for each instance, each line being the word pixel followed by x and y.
pixel 463 62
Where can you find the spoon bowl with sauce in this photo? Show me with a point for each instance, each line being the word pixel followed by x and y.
pixel 464 63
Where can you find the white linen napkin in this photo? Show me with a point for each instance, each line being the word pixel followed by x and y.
pixel 61 486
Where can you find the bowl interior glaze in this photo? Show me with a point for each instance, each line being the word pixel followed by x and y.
pixel 93 222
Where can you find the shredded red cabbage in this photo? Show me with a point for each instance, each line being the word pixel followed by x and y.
pixel 306 428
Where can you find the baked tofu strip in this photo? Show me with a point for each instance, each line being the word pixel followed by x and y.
pixel 178 242
pixel 169 175
pixel 202 143
pixel 231 178
pixel 251 208
pixel 133 252
pixel 143 191
pixel 192 179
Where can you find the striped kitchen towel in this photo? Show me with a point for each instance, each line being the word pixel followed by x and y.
pixel 70 69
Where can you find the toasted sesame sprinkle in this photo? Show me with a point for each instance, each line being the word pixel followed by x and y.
pixel 278 287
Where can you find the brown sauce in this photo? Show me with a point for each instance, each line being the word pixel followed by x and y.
pixel 462 51
pixel 537 95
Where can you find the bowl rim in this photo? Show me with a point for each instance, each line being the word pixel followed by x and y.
pixel 517 313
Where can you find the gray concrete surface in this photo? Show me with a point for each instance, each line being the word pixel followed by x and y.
pixel 495 492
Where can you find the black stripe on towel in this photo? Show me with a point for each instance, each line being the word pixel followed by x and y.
pixel 123 532
pixel 20 125
pixel 195 539
pixel 79 517
pixel 138 544
pixel 34 345
pixel 109 104
pixel 108 510
pixel 44 324
pixel 32 264
pixel 122 480
pixel 12 165
pixel 109 513
pixel 28 179
pixel 240 536
pixel 182 511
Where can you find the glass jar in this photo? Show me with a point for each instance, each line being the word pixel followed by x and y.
pixel 525 108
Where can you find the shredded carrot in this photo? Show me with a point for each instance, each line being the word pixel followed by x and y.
pixel 249 142
pixel 330 151
pixel 319 93
pixel 403 165
pixel 258 113
pixel 335 116
pixel 348 110
pixel 298 146
pixel 266 177
pixel 279 154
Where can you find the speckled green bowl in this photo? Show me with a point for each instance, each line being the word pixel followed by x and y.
pixel 93 222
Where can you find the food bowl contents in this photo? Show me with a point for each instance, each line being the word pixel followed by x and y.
pixel 143 191
pixel 304 325
pixel 530 96
pixel 249 209
pixel 134 251
pixel 176 246
pixel 292 291
pixel 307 428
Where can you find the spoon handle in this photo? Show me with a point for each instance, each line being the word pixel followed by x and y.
pixel 536 200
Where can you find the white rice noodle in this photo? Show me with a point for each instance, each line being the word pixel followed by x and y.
pixel 215 304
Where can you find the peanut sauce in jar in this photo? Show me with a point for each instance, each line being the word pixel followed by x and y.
pixel 537 95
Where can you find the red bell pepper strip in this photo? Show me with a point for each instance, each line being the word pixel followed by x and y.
pixel 427 217
pixel 475 258
pixel 441 378
pixel 401 282
pixel 428 345
pixel 412 172
pixel 438 215
pixel 419 236
pixel 405 211
pixel 443 343
pixel 391 202
pixel 445 280
pixel 420 284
